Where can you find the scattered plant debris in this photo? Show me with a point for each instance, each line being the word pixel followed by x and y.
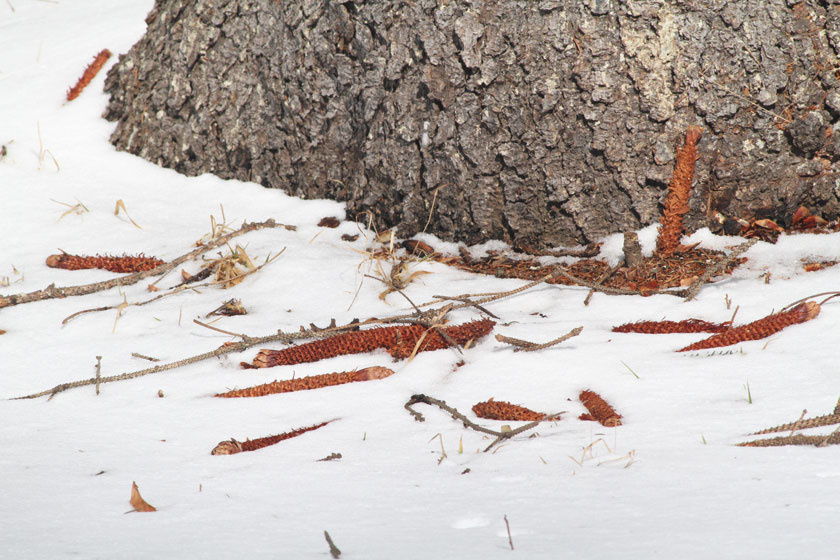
pixel 657 272
pixel 229 308
pixel 120 206
pixel 813 266
pixel 769 230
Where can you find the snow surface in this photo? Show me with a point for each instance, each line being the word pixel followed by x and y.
pixel 68 464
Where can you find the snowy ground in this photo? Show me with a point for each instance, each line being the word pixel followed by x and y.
pixel 69 462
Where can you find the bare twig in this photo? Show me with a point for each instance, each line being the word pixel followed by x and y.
pixel 830 295
pixel 230 347
pixel 52 291
pixel 143 357
pixel 174 290
pixel 334 551
pixel 589 251
pixel 510 539
pixel 420 398
pixel 468 302
pixel 695 287
pixel 526 346
pixel 98 372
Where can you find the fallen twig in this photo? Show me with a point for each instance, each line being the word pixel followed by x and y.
pixel 98 372
pixel 606 276
pixel 52 291
pixel 420 398
pixel 227 348
pixel 143 357
pixel 174 290
pixel 725 261
pixel 805 423
pixel 334 551
pixel 526 346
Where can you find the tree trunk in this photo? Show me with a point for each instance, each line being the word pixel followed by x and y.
pixel 537 122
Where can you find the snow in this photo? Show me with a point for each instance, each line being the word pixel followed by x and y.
pixel 668 483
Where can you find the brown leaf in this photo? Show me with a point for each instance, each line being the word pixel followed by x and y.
pixel 688 281
pixel 137 501
pixel 417 247
pixel 769 224
pixel 800 214
pixel 330 222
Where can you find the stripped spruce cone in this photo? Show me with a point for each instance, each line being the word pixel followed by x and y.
pixel 599 409
pixel 817 441
pixel 804 424
pixel 501 410
pixel 759 329
pixel 123 264
pixel 232 446
pixel 679 192
pixel 89 74
pixel 434 340
pixel 309 382
pixel 670 327
pixel 400 342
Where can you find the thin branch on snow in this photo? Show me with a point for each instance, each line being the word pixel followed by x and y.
pixel 52 291
pixel 500 436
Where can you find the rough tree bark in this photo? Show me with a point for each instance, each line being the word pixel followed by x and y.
pixel 541 122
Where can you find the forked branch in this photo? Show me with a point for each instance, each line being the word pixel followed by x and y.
pixel 52 291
